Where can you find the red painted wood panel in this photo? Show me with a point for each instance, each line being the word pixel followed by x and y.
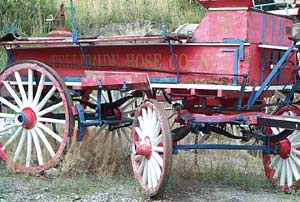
pixel 197 63
pixel 248 25
pixel 225 3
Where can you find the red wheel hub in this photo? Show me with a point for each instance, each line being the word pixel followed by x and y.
pixel 144 149
pixel 284 148
pixel 27 118
pixel 118 114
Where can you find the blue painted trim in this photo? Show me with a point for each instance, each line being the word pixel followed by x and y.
pixel 262 75
pixel 174 60
pixel 164 31
pixel 264 32
pixel 72 79
pixel 235 65
pixel 281 31
pixel 98 113
pixel 75 34
pixel 87 61
pixel 201 123
pixel 273 28
pixel 270 77
pixel 165 37
pixel 261 6
pixel 81 121
pixel 152 79
pixel 176 149
pixel 291 93
pixel 241 43
pixel 163 80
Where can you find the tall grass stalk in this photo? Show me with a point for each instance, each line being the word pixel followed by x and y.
pixel 29 16
pixel 96 13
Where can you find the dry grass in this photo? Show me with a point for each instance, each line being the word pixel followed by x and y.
pixel 96 13
pixel 102 153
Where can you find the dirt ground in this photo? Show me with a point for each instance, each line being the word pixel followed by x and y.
pixel 87 175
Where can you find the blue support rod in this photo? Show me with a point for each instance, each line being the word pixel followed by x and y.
pixel 74 29
pixel 165 37
pixel 270 77
pixel 220 147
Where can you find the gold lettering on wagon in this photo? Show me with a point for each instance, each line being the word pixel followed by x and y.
pixel 182 62
pixel 105 59
pixel 94 59
pixel 140 60
pixel 144 60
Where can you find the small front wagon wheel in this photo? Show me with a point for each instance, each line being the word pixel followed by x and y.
pixel 283 169
pixel 151 147
pixel 35 116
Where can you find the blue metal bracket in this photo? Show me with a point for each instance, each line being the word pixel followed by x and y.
pixel 81 121
pixel 165 37
pixel 86 60
pixel 201 123
pixel 99 95
pixel 12 29
pixel 293 90
pixel 75 34
pixel 270 77
pixel 235 65
pixel 163 80
pixel 241 43
pixel 10 57
pixel 261 6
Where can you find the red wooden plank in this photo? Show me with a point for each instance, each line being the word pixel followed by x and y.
pixel 225 3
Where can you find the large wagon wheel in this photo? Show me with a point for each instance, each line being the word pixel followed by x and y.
pixel 151 147
pixel 283 169
pixel 35 117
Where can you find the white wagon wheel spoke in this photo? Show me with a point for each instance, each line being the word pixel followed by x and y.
pixel 13 94
pixel 20 145
pixel 29 149
pixel 45 99
pixel 9 104
pixel 39 90
pixel 21 88
pixel 12 138
pixel 50 109
pixel 30 86
pixel 51 120
pixel 30 145
pixel 45 141
pixel 7 127
pixel 37 146
pixel 50 132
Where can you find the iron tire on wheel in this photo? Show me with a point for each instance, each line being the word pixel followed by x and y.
pixel 34 103
pixel 151 148
pixel 283 169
